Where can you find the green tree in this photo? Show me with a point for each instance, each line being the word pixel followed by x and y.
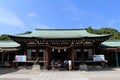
pixel 4 37
pixel 27 32
pixel 115 34
pixel 89 29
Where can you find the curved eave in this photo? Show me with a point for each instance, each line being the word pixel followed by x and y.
pixel 102 36
pixel 14 36
pixel 111 44
pixel 59 34
pixel 8 44
pixel 108 46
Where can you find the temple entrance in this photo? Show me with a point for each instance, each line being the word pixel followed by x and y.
pixel 57 59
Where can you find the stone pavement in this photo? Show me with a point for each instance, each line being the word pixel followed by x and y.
pixel 6 74
pixel 58 75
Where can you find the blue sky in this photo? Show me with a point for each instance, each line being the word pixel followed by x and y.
pixel 18 16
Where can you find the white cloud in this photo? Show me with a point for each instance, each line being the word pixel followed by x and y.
pixel 31 14
pixel 73 11
pixel 44 27
pixel 9 18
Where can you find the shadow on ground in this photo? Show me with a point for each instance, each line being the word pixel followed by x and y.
pixel 13 70
pixel 103 69
pixel 7 70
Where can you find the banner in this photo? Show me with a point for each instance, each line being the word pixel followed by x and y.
pixel 20 58
pixel 98 58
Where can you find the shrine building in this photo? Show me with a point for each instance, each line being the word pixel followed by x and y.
pixel 77 45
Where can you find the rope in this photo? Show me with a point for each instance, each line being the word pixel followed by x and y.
pixel 60 47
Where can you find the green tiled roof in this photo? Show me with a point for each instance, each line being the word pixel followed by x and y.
pixel 111 43
pixel 60 33
pixel 8 44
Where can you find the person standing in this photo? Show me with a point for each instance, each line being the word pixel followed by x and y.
pixel 59 65
pixel 70 64
pixel 66 64
pixel 52 64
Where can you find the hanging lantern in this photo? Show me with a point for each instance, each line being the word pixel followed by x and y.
pixel 53 50
pixel 64 50
pixel 58 50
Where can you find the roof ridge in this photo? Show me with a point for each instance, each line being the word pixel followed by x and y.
pixel 59 29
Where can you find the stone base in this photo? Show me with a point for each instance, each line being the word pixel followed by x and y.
pixel 36 67
pixel 21 67
pixel 83 67
pixel 98 67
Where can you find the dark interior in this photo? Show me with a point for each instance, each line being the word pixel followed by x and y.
pixel 59 55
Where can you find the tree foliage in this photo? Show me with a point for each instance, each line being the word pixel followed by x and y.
pixel 4 37
pixel 27 32
pixel 115 34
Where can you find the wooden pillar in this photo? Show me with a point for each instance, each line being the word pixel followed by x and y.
pixel 50 54
pixel 2 60
pixel 117 60
pixel 25 50
pixel 82 52
pixel 72 50
pixel 94 51
pixel 37 52
pixel 46 57
pixel 69 54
